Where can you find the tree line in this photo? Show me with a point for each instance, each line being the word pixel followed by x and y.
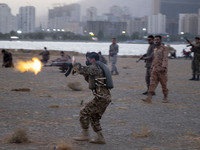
pixel 70 36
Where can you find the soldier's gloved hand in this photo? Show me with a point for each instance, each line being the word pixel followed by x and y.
pixel 144 58
pixel 77 67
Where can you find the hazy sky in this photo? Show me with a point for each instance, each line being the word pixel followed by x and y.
pixel 137 7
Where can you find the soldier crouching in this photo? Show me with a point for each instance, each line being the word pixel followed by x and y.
pixel 100 82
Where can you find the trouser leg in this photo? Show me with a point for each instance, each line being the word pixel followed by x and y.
pixel 147 78
pixel 95 117
pixel 154 80
pixel 163 82
pixel 114 61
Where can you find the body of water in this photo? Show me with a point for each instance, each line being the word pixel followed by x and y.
pixel 83 47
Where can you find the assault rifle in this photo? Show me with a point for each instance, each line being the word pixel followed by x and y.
pixel 145 55
pixel 64 66
pixel 188 42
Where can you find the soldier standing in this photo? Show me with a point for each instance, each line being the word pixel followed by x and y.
pixel 100 82
pixel 196 59
pixel 7 59
pixel 114 49
pixel 148 60
pixel 45 55
pixel 158 70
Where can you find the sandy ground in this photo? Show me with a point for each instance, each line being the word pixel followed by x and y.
pixel 49 111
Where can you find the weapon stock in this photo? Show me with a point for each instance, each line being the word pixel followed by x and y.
pixel 141 58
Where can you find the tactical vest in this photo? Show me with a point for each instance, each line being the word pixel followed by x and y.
pixel 107 73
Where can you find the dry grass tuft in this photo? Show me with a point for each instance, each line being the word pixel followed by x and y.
pixel 19 136
pixel 122 108
pixel 197 139
pixel 72 106
pixel 75 86
pixel 145 132
pixel 191 134
pixel 54 106
pixel 22 90
pixel 64 146
pixel 126 67
pixel 150 149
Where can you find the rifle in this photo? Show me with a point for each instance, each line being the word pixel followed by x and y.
pixel 145 55
pixel 64 66
pixel 188 42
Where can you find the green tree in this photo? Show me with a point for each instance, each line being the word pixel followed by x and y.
pixel 100 35
pixel 135 36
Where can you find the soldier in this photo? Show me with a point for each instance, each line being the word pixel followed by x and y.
pixel 45 55
pixel 158 70
pixel 100 82
pixel 148 60
pixel 196 59
pixel 64 58
pixel 114 49
pixel 7 59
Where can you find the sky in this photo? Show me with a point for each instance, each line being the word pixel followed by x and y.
pixel 138 8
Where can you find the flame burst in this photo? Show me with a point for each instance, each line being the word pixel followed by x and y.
pixel 34 66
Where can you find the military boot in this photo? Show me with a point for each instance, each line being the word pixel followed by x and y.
pixel 99 139
pixel 148 99
pixel 197 79
pixel 84 136
pixel 165 99
pixel 193 77
pixel 145 93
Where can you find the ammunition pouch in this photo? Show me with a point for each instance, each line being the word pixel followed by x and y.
pixel 91 81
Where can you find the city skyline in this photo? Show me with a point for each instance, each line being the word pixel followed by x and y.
pixel 42 7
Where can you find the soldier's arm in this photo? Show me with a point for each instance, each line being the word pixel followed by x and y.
pixel 86 70
pixel 117 49
pixel 150 57
pixel 196 48
pixel 165 58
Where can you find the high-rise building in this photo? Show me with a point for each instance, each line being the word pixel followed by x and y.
pixel 199 22
pixel 116 11
pixel 157 24
pixel 188 23
pixel 156 7
pixel 172 9
pixel 26 19
pixel 59 16
pixel 137 25
pixel 92 14
pixel 7 20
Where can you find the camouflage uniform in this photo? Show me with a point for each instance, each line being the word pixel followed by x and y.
pixel 148 63
pixel 196 60
pixel 7 60
pixel 160 60
pixel 93 110
pixel 114 49
pixel 45 56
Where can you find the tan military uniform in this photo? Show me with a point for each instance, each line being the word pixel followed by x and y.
pixel 93 110
pixel 160 60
